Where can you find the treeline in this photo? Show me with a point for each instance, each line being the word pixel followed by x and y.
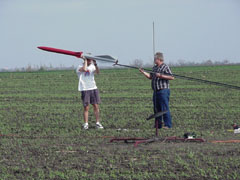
pixel 137 62
pixel 181 63
pixel 31 68
pixel 203 63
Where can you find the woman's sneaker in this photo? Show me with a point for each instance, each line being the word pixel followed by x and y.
pixel 85 126
pixel 99 126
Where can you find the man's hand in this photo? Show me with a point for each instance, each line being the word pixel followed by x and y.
pixel 159 75
pixel 141 70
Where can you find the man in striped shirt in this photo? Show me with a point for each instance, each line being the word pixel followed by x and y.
pixel 160 76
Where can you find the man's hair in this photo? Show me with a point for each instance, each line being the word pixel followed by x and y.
pixel 159 55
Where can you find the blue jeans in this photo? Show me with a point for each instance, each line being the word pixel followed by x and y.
pixel 161 103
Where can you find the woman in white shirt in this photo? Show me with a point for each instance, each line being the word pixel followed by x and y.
pixel 87 87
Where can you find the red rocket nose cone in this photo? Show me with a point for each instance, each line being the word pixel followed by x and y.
pixel 40 47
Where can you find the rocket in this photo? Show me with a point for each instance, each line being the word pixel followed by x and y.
pixel 105 58
pixel 61 51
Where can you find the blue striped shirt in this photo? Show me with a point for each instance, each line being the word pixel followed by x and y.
pixel 158 83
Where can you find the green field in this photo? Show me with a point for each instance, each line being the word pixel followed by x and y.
pixel 41 135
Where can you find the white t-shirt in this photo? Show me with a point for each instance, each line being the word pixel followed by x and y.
pixel 86 79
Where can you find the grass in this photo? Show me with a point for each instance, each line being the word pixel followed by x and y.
pixel 41 134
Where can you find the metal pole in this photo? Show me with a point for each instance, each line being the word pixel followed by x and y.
pixel 153 41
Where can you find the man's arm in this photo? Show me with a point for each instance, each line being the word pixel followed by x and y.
pixel 147 75
pixel 167 76
pixel 162 76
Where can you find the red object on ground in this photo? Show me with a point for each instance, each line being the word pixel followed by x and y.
pixel 138 141
pixel 227 141
pixel 61 51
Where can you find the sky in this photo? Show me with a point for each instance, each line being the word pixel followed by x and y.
pixel 189 30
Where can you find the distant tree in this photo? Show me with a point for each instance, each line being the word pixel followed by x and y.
pixel 225 61
pixel 137 63
pixel 148 65
pixel 181 62
pixel 29 68
pixel 42 68
pixel 208 62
